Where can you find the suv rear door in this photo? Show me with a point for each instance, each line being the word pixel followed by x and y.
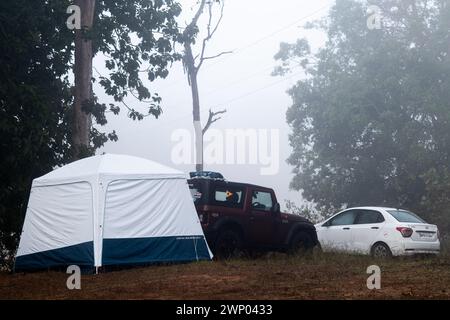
pixel 262 222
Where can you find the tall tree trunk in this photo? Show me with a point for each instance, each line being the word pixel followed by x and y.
pixel 189 62
pixel 81 125
pixel 192 74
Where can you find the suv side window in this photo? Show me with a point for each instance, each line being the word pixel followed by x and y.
pixel 345 218
pixel 369 217
pixel 262 200
pixel 229 196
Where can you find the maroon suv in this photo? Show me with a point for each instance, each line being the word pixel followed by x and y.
pixel 237 216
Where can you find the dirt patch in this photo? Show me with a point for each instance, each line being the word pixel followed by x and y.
pixel 270 277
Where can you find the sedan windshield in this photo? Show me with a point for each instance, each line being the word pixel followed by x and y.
pixel 405 216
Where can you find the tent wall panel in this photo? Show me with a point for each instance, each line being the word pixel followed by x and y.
pixel 58 216
pixel 149 208
pixel 151 220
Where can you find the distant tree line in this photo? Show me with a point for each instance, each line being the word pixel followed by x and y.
pixel 371 118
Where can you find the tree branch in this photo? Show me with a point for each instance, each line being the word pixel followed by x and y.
pixel 217 55
pixel 210 33
pixel 213 117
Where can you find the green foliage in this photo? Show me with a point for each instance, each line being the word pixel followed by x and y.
pixel 137 37
pixel 306 211
pixel 34 99
pixel 371 120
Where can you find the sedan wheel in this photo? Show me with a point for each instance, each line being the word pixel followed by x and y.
pixel 381 251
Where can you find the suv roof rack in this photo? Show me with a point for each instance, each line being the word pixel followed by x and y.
pixel 206 175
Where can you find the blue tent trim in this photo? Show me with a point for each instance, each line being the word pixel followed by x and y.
pixel 128 251
pixel 134 251
pixel 81 255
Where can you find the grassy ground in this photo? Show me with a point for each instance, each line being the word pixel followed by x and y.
pixel 274 276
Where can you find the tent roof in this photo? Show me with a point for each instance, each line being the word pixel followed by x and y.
pixel 110 164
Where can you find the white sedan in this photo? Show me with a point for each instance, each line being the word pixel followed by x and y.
pixel 381 232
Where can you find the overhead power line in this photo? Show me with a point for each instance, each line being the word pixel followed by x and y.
pixel 268 36
pixel 241 49
pixel 230 101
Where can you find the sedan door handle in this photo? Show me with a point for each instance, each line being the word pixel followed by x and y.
pixel 374 228
pixel 346 228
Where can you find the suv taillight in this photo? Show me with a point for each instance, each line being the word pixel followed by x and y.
pixel 406 232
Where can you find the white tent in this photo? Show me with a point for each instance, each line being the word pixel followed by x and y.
pixel 110 210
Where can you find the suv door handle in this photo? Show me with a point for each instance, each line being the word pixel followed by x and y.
pixel 374 228
pixel 346 228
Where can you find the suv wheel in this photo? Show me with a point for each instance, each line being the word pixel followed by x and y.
pixel 301 243
pixel 228 244
pixel 381 251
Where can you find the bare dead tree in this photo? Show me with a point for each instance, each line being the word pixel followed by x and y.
pixel 192 65
pixel 212 117
pixel 82 121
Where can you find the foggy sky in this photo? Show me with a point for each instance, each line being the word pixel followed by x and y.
pixel 239 82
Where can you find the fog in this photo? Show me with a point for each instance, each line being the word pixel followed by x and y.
pixel 239 82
